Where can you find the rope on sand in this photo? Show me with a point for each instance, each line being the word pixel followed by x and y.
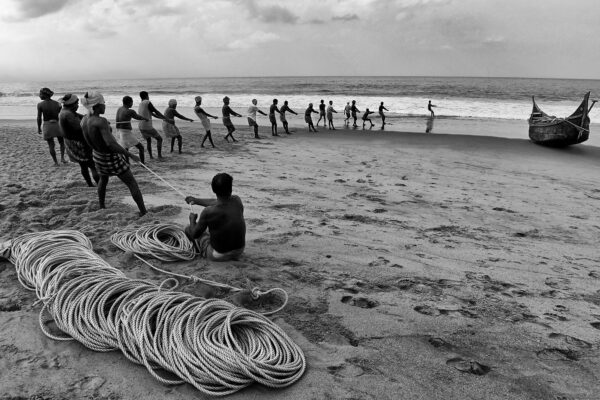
pixel 168 242
pixel 213 345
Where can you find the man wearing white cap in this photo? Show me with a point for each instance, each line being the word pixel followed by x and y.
pixel 108 155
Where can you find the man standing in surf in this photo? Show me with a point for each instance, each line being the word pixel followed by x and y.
pixel 430 108
pixel 282 117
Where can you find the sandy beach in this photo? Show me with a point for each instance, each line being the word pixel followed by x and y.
pixel 419 266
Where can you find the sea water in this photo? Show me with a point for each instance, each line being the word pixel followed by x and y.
pixel 482 106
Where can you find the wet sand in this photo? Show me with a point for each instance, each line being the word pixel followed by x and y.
pixel 419 266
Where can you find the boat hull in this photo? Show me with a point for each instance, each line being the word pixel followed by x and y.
pixel 559 135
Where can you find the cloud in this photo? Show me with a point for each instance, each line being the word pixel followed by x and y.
pixel 269 13
pixel 253 40
pixel 29 9
pixel 345 18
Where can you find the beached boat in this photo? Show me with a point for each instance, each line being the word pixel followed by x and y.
pixel 559 132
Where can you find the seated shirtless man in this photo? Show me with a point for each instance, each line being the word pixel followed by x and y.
pixel 224 219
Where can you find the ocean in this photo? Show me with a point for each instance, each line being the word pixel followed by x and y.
pixel 483 106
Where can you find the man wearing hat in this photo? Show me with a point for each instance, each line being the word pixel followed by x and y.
pixel 47 110
pixel 227 113
pixel 109 156
pixel 78 150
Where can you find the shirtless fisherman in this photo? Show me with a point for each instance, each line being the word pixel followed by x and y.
pixel 124 129
pixel 282 117
pixel 224 219
pixel 48 110
pixel 147 110
pixel 109 156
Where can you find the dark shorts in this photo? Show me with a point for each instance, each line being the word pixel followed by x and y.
pixel 227 122
pixel 110 164
pixel 150 133
pixel 272 119
pixel 308 119
pixel 205 250
pixel 252 122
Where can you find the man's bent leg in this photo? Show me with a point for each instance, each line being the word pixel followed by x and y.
pixel 86 173
pixel 128 179
pixel 141 152
pixel 159 141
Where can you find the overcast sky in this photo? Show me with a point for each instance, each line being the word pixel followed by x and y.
pixel 84 39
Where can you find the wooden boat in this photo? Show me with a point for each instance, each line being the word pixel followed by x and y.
pixel 559 132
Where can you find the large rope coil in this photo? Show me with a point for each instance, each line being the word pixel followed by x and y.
pixel 215 346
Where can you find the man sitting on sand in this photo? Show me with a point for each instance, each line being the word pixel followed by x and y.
pixel 224 219
pixel 126 137
pixel 108 155
pixel 48 110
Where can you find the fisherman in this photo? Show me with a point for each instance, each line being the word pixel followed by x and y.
pixel 147 110
pixel 227 113
pixel 203 116
pixel 282 117
pixel 69 121
pixel 48 110
pixel 126 137
pixel 109 156
pixel 252 110
pixel 224 219
pixel 169 128
pixel 430 108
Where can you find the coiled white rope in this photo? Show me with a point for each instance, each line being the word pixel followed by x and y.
pixel 168 242
pixel 213 345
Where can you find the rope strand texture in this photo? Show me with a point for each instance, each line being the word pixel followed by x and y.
pixel 213 345
pixel 168 242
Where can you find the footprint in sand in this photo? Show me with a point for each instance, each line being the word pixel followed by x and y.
pixel 595 324
pixel 427 310
pixel 594 274
pixel 570 340
pixel 361 302
pixel 555 354
pixel 9 305
pixel 470 366
pixel 558 283
pixel 380 262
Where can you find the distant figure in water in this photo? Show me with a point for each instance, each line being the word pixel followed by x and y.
pixel 322 113
pixel 47 110
pixel 429 126
pixel 382 115
pixel 330 112
pixel 169 128
pixel 347 113
pixel 308 117
pixel 274 109
pixel 430 108
pixel 282 118
pixel 366 118
pixel 354 110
